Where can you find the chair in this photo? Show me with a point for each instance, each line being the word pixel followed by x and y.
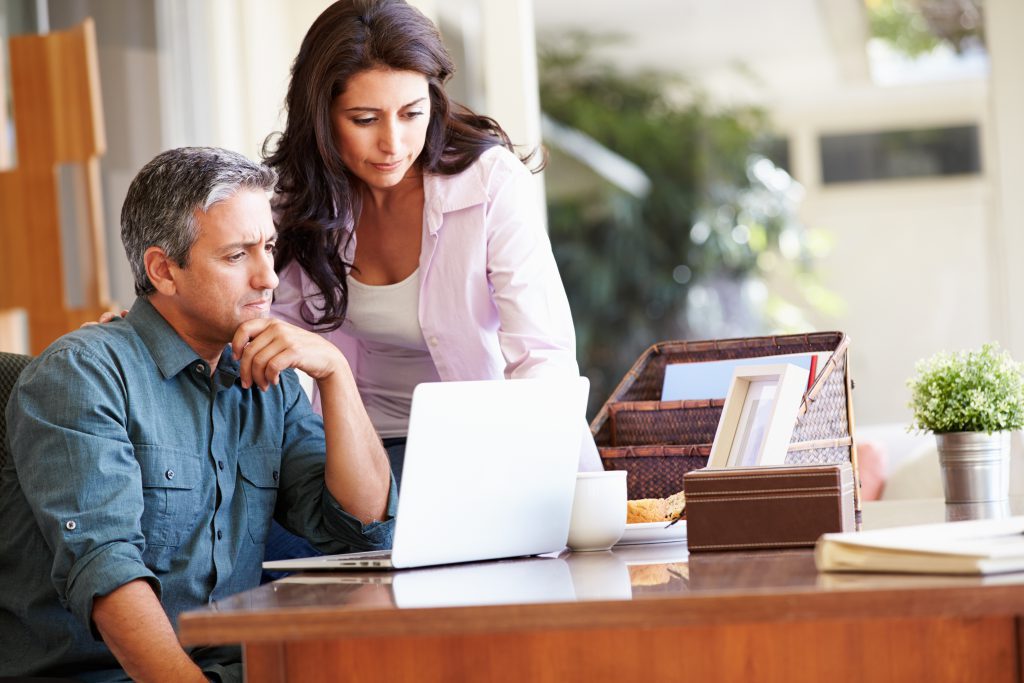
pixel 11 365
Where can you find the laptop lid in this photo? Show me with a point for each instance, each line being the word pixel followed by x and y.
pixel 490 470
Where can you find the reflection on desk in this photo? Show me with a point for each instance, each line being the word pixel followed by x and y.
pixel 613 616
pixel 606 575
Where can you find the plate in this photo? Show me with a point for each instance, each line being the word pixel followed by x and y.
pixel 652 553
pixel 654 532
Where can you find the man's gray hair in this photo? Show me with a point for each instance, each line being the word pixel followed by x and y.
pixel 159 209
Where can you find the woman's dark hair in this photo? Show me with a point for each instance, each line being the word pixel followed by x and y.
pixel 315 195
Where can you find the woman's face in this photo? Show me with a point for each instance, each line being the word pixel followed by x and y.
pixel 380 124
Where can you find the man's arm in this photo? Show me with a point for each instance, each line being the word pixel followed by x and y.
pixel 78 470
pixel 136 629
pixel 357 471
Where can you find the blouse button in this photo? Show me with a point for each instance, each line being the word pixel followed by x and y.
pixel 169 474
pixel 71 525
pixel 433 341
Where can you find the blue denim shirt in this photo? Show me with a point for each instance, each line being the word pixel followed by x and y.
pixel 128 460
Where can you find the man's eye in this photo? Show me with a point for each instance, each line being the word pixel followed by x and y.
pixel 270 248
pixel 235 258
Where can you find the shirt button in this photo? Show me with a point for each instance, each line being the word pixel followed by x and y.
pixel 71 525
pixel 433 341
pixel 200 368
pixel 169 474
pixel 220 534
pixel 275 475
pixel 220 464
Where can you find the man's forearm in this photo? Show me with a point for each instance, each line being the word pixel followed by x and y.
pixel 136 629
pixel 357 472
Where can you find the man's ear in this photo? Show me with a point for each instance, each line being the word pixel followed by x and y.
pixel 160 271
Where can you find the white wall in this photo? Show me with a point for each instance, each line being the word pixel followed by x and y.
pixel 914 260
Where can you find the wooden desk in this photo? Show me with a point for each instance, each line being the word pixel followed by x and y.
pixel 640 613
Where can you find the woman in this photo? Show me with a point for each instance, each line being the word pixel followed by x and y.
pixel 408 231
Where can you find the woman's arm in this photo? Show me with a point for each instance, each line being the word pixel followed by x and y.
pixel 535 330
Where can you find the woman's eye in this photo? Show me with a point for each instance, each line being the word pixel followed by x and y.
pixel 363 122
pixel 414 114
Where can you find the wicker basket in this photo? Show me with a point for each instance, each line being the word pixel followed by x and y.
pixel 658 442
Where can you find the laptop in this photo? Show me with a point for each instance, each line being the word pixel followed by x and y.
pixel 490 472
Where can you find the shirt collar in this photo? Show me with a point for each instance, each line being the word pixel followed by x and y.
pixel 168 349
pixel 445 194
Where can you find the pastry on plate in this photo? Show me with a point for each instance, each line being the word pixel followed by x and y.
pixel 646 510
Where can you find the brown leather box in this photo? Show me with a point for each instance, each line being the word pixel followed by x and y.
pixel 748 508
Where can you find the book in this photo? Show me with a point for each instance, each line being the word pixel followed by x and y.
pixel 981 546
pixel 711 379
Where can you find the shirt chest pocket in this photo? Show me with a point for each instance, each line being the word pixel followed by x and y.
pixel 261 471
pixel 171 492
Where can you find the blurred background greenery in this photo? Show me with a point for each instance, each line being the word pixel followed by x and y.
pixel 688 255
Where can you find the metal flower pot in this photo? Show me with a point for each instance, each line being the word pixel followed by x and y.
pixel 975 466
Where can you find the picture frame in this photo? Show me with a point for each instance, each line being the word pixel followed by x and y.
pixel 759 416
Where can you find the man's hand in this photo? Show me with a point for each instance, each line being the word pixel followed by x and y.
pixel 136 629
pixel 357 471
pixel 266 347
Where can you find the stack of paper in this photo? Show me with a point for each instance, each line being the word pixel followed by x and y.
pixel 986 546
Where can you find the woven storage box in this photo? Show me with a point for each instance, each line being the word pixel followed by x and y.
pixel 658 442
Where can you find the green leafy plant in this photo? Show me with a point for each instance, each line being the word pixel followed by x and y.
pixel 915 27
pixel 968 391
pixel 693 257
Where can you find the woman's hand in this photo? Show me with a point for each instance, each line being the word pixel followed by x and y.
pixel 106 317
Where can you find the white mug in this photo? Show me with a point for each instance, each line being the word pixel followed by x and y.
pixel 598 510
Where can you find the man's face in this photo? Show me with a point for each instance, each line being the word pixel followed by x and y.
pixel 230 274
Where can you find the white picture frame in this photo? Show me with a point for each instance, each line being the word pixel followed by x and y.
pixel 759 416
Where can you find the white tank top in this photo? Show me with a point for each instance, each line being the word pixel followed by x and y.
pixel 393 355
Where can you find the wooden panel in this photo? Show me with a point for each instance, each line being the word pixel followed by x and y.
pixel 58 120
pixel 869 650
pixel 265 663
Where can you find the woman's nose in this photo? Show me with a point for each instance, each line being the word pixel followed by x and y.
pixel 389 138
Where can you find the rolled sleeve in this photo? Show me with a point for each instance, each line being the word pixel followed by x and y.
pixel 106 570
pixel 376 535
pixel 79 475
pixel 304 505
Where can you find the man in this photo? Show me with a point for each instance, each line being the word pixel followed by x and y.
pixel 149 454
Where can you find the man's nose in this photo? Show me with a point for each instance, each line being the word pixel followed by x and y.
pixel 265 277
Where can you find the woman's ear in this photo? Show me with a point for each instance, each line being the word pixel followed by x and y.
pixel 160 271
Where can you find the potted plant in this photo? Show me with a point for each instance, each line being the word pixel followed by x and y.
pixel 971 401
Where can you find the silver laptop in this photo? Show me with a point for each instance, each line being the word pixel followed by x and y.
pixel 490 471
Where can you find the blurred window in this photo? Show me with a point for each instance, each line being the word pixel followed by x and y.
pixel 885 155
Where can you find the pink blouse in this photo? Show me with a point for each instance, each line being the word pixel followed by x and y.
pixel 491 303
